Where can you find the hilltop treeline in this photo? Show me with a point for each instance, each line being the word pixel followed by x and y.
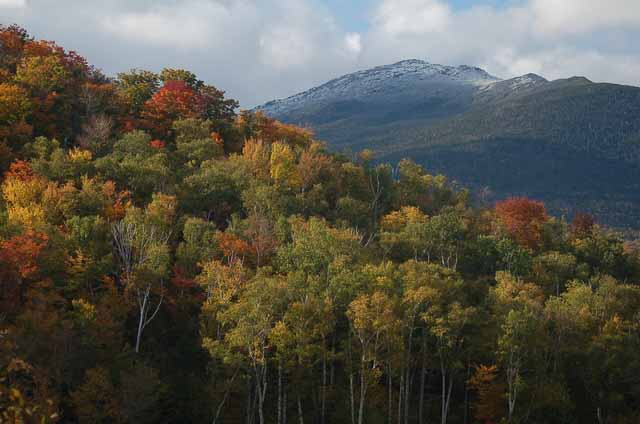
pixel 164 258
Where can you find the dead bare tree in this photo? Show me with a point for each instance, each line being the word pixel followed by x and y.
pixel 133 243
pixel 97 134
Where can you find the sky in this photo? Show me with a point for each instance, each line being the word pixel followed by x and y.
pixel 258 50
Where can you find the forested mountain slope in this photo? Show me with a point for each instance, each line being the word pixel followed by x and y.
pixel 573 143
pixel 167 259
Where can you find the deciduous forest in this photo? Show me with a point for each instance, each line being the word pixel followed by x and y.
pixel 167 258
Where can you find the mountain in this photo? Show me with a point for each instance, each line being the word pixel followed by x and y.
pixel 571 142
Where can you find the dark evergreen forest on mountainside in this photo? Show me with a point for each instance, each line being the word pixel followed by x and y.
pixel 165 258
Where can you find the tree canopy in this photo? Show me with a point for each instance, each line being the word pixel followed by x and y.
pixel 167 258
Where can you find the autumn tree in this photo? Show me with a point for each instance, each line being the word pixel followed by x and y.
pixel 15 107
pixel 373 322
pixel 518 306
pixel 23 396
pixel 406 231
pixel 137 165
pixel 12 41
pixel 415 187
pixel 19 259
pixel 175 100
pixel 554 270
pixel 488 407
pixel 582 224
pixel 523 219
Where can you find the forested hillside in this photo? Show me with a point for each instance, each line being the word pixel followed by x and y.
pixel 165 258
pixel 572 143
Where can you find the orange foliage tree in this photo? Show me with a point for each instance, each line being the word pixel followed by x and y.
pixel 582 224
pixel 489 403
pixel 21 170
pixel 175 100
pixel 523 219
pixel 270 131
pixel 234 248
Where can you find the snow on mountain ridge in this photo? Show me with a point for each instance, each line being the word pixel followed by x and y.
pixel 517 83
pixel 405 73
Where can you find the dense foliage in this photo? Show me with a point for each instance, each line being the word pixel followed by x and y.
pixel 165 259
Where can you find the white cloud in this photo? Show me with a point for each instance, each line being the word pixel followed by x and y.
pixel 353 42
pixel 399 17
pixel 161 27
pixel 283 48
pixel 14 4
pixel 554 17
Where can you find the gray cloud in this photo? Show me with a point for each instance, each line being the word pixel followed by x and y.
pixel 257 50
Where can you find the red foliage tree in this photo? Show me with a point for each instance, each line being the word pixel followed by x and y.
pixel 175 100
pixel 523 219
pixel 19 262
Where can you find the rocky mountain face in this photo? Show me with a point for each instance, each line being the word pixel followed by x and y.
pixel 572 143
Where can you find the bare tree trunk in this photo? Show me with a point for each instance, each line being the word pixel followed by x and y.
pixel 422 380
pixel 300 414
pixel 225 397
pixel 132 243
pixel 447 388
pixel 144 306
pixel 376 189
pixel 512 377
pixel 407 394
pixel 351 394
pixel 249 402
pixel 400 396
pixel 466 393
pixel 256 403
pixel 323 393
pixel 389 395
pixel 262 390
pixel 351 399
pixel 408 378
pixel 260 371
pixel 284 406
pixel 279 393
pixel 142 312
pixel 260 410
pixel 448 403
pixel 443 387
pixel 363 391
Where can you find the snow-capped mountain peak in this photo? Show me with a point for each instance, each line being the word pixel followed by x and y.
pixel 407 76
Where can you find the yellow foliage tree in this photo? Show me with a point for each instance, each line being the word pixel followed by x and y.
pixel 283 166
